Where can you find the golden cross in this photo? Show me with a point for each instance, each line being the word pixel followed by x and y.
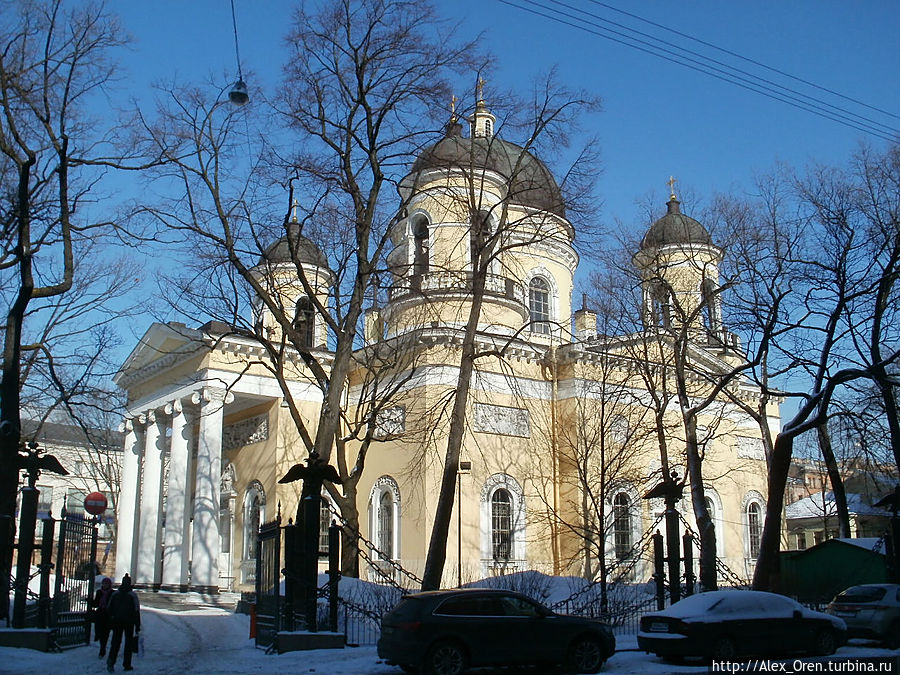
pixel 453 106
pixel 294 210
pixel 671 183
pixel 481 84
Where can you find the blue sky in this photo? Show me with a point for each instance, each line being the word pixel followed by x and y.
pixel 659 118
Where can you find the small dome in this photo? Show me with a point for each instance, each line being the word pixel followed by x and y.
pixel 307 251
pixel 675 228
pixel 533 185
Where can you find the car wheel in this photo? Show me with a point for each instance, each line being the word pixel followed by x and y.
pixel 586 655
pixel 825 644
pixel 445 658
pixel 723 649
pixel 892 638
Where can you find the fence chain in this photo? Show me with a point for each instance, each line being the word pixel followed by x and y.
pixel 722 570
pixel 382 558
pixel 631 559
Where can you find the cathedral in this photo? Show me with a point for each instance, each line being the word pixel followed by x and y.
pixel 566 429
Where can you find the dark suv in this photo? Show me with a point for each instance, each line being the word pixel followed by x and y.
pixel 445 632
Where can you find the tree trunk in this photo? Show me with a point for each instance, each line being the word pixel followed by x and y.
pixel 767 576
pixel 837 482
pixel 707 560
pixel 437 546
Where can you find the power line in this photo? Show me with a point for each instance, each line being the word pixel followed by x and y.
pixel 703 65
pixel 778 88
pixel 748 60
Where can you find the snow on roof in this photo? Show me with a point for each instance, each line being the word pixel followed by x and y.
pixel 822 504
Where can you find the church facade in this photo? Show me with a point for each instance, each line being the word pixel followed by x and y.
pixel 565 431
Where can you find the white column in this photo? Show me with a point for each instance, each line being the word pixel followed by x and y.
pixel 127 504
pixel 149 533
pixel 175 557
pixel 205 544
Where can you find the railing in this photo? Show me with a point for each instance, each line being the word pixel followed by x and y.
pixel 431 283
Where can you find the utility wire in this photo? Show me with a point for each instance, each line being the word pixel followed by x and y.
pixel 781 89
pixel 751 83
pixel 237 51
pixel 748 60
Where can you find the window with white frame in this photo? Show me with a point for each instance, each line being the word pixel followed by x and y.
pixel 754 508
pixel 324 523
pixel 305 322
pixel 754 528
pixel 539 305
pixel 660 306
pixel 502 521
pixel 622 525
pixel 501 525
pixel 384 518
pixel 254 515
pixel 479 234
pixel 710 305
pixel 420 246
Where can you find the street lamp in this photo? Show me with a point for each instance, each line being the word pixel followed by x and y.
pixel 462 467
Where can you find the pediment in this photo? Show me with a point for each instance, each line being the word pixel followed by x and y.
pixel 160 343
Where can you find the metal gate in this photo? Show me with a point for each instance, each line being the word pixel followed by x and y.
pixel 268 582
pixel 75 569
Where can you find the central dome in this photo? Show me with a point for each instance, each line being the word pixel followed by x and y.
pixel 530 182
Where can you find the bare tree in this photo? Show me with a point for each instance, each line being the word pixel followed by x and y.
pixel 363 81
pixel 53 60
pixel 840 264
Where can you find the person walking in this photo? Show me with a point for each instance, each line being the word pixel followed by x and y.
pixel 125 618
pixel 101 614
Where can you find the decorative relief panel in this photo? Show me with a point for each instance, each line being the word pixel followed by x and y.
pixel 245 432
pixel 750 448
pixel 497 419
pixel 390 422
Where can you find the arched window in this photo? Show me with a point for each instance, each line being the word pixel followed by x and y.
pixel 754 528
pixel 710 305
pixel 254 514
pixel 539 305
pixel 660 307
pixel 420 246
pixel 488 128
pixel 386 525
pixel 324 523
pixel 384 518
pixel 479 234
pixel 305 322
pixel 501 525
pixel 622 527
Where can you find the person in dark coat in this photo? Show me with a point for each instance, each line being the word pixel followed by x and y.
pixel 125 618
pixel 101 614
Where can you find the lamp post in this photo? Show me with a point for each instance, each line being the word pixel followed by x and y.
pixel 463 467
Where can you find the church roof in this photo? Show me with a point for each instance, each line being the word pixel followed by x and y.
pixel 306 250
pixel 532 185
pixel 675 228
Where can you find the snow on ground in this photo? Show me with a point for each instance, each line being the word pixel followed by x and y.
pixel 214 640
pixel 185 633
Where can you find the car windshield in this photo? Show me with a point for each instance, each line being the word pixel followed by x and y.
pixel 862 594
pixel 745 603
